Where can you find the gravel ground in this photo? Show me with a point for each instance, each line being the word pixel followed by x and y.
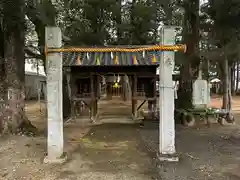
pixel 205 153
pixel 123 152
pixel 102 152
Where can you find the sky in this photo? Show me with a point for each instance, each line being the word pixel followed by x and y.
pixel 30 68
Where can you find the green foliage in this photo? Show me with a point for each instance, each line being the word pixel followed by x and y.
pixel 101 22
pixel 221 21
pixel 95 22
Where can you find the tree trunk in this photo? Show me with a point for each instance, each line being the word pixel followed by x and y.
pixel 190 66
pixel 185 88
pixel 233 78
pixel 119 22
pixel 225 84
pixel 14 67
pixel 230 89
pixel 2 79
pixel 2 94
pixel 132 21
pixel 237 78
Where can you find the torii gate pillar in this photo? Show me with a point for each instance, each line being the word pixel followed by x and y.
pixel 53 39
pixel 166 99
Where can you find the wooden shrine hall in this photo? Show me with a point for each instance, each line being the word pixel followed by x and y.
pixel 90 76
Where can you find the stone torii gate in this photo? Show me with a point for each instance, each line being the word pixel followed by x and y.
pixel 55 140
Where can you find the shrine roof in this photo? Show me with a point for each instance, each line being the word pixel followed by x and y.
pixel 111 59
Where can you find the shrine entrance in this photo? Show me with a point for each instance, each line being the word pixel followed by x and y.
pixel 81 69
pixel 114 85
pixel 114 92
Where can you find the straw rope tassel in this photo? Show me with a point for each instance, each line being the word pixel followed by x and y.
pixel 135 62
pixel 154 59
pixel 116 62
pixel 98 61
pixel 78 61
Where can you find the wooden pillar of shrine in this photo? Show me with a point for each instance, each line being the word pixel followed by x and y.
pixel 108 88
pixel 94 101
pixel 67 94
pixel 149 91
pixel 134 94
pixel 73 91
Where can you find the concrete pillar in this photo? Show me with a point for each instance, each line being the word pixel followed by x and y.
pixel 166 100
pixel 54 97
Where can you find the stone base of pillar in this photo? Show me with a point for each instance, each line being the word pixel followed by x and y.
pixel 94 120
pixel 60 160
pixel 167 157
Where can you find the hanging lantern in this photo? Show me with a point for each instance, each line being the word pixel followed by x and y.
pixel 116 85
pixel 87 55
pixel 111 55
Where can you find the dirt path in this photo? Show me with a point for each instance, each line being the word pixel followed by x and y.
pixel 124 152
pixel 109 151
pixel 105 152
